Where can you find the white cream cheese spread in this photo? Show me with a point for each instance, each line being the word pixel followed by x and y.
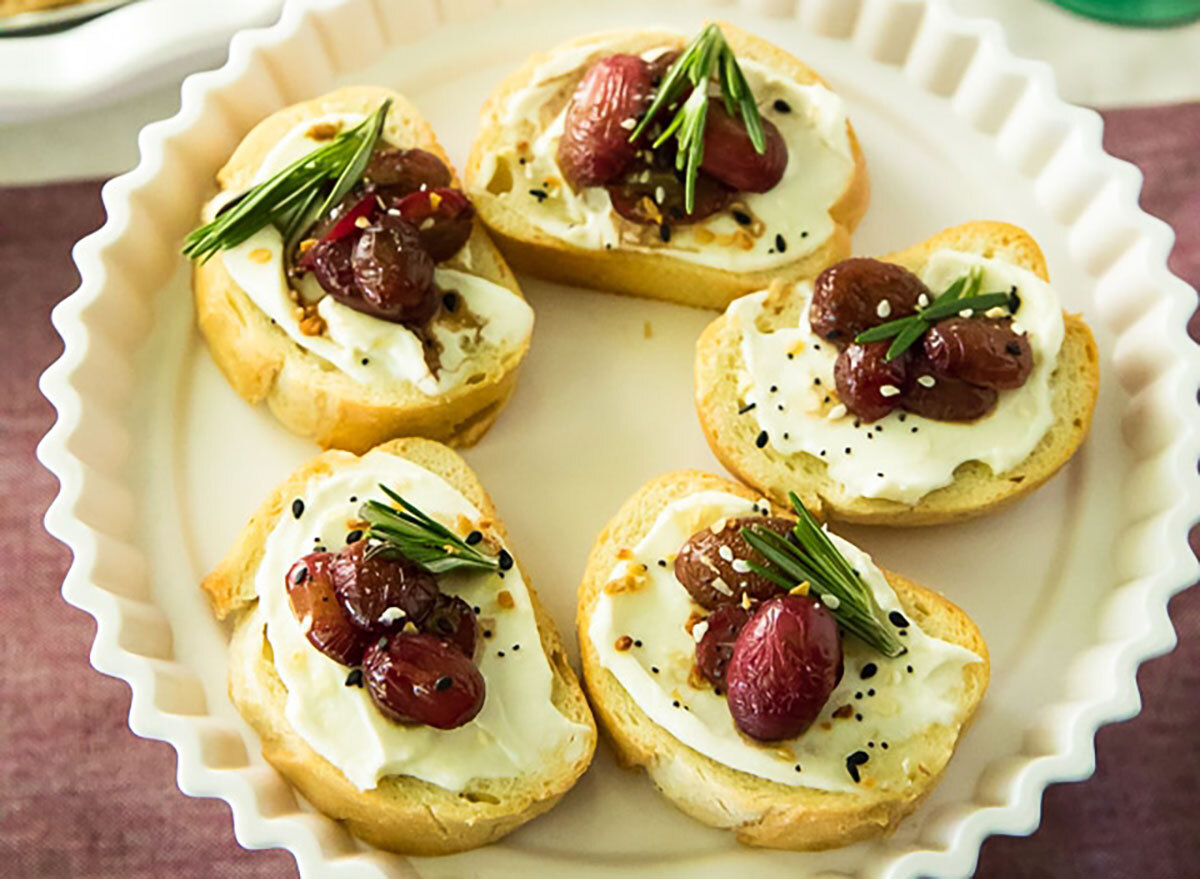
pixel 790 220
pixel 518 731
pixel 370 350
pixel 788 378
pixel 890 700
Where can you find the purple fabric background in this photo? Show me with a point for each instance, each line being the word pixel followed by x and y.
pixel 82 797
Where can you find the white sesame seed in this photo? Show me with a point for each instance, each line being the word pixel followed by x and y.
pixel 926 381
pixel 994 311
pixel 966 312
pixel 718 526
pixel 884 308
pixel 726 553
pixel 1018 329
pixel 741 566
pixel 923 301
pixel 838 411
pixel 830 601
pixel 629 124
pixel 659 194
pixel 721 586
pixel 699 630
pixel 889 390
pixel 391 615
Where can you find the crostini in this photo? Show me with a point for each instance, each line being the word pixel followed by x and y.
pixel 605 163
pixel 769 678
pixel 393 658
pixel 343 278
pixel 936 383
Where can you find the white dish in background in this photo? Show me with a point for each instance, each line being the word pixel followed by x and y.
pixel 160 463
pixel 117 54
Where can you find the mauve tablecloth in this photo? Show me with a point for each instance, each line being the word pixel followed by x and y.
pixel 84 798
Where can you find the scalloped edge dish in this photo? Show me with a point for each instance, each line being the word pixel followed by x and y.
pixel 1090 195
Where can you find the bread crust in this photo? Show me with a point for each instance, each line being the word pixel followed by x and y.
pixel 761 812
pixel 975 490
pixel 654 276
pixel 402 814
pixel 304 392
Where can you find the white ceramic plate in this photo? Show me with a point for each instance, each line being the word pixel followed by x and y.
pixel 120 53
pixel 160 463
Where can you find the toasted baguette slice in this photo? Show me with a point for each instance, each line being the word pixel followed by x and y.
pixel 976 489
pixel 402 814
pixel 305 392
pixel 652 275
pixel 762 812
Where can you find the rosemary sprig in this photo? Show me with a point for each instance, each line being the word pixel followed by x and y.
pixel 963 294
pixel 406 530
pixel 812 557
pixel 295 197
pixel 706 56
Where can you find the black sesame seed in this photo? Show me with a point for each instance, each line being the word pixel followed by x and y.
pixel 366 360
pixel 742 218
pixel 450 301
pixel 914 430
pixel 676 703
pixel 718 691
pixel 880 475
pixel 870 744
pixel 637 643
pixel 858 695
pixel 353 499
pixel 847 450
pixel 540 194
pixel 476 609
pixel 662 563
pixel 822 453
pixel 443 683
pixel 782 106
pixel 516 647
pixel 785 433
pixel 871 692
pixel 797 767
pixel 868 671
pixel 816 347
pixel 791 356
pixel 664 232
pixel 500 653
pixel 297 508
pixel 746 408
pixel 654 668
pixel 909 669
pixel 473 538
pixel 487 633
pixel 903 633
pixel 855 760
pixel 883 745
pixel 858 717
pixel 816 381
pixel 898 619
pixel 318 548
pixel 857 424
pixel 774 388
pixel 355 678
pixel 780 243
pixel 804 234
pixel 903 416
pixel 354 536
pixel 761 440
pixel 506 560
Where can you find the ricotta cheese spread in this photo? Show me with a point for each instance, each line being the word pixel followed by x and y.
pixel 889 699
pixel 518 730
pixel 789 221
pixel 370 350
pixel 787 376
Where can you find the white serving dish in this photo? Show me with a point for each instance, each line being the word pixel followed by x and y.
pixel 160 463
pixel 121 53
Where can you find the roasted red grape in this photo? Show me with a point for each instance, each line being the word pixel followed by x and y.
pixel 936 396
pixel 393 273
pixel 442 217
pixel 705 565
pixel 595 147
pixel 396 172
pixel 715 648
pixel 848 296
pixel 980 351
pixel 415 678
pixel 786 662
pixel 368 587
pixel 867 382
pixel 453 621
pixel 730 156
pixel 656 195
pixel 330 264
pixel 326 625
